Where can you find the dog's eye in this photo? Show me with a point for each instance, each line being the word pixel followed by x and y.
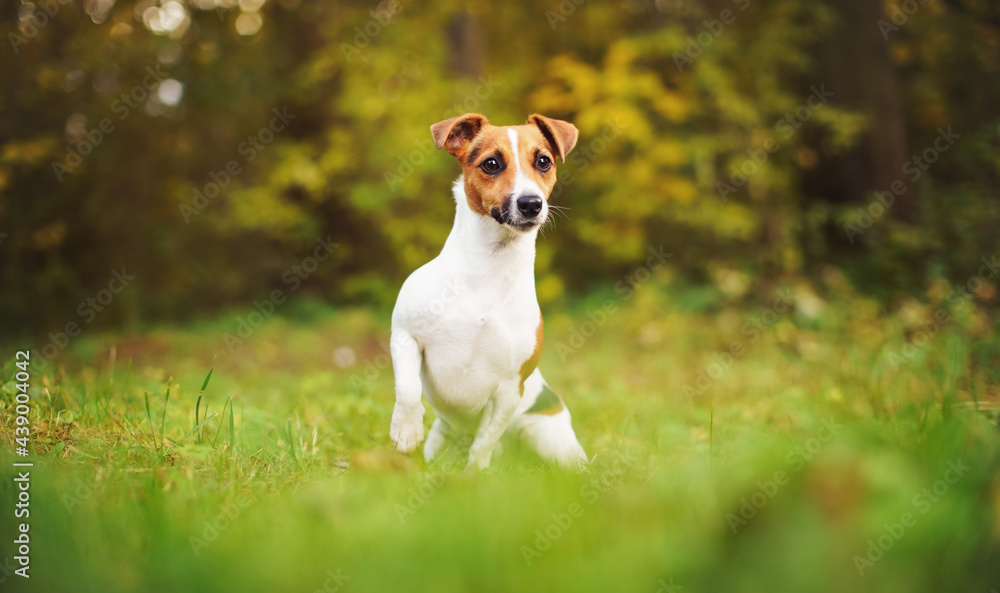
pixel 543 163
pixel 491 165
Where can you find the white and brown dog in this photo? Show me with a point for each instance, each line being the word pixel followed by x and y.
pixel 466 329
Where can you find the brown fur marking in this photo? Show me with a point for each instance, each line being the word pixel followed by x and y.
pixel 531 364
pixel 484 191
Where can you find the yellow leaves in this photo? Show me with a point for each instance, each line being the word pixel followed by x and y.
pixel 296 168
pixel 574 84
pixel 670 153
pixel 728 220
pixel 616 240
pixel 260 208
pixel 626 120
pixel 732 282
pixel 416 244
pixel 341 154
pixel 791 258
pixel 548 288
pixel 620 83
pixel 544 254
pixel 629 205
pixel 679 189
pixel 49 236
pixel 30 152
pixel 620 55
pixel 672 105
pixel 370 197
pixel 323 68
pixel 844 127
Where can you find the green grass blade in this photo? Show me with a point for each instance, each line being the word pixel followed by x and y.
pixel 219 431
pixel 163 418
pixel 291 443
pixel 193 430
pixel 128 375
pixel 201 433
pixel 204 385
pixel 232 429
pixel 711 433
pixel 112 359
pixel 149 416
pixel 197 410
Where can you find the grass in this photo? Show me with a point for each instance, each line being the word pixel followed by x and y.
pixel 274 471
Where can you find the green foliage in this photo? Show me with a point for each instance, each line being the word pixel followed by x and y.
pixel 673 100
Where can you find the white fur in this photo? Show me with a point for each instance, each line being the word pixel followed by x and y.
pixel 523 185
pixel 463 325
pixel 552 437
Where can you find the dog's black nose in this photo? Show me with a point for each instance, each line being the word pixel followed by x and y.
pixel 529 206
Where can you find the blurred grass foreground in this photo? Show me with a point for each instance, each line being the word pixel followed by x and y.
pixel 771 306
pixel 813 448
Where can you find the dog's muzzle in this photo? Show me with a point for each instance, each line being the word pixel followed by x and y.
pixel 522 213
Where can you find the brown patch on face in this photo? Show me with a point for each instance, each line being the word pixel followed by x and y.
pixel 531 364
pixel 487 158
pixel 487 191
pixel 532 147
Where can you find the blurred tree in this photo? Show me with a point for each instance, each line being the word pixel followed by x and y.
pixel 864 78
pixel 704 129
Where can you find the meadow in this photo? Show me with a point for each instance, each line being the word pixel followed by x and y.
pixel 792 444
pixel 801 399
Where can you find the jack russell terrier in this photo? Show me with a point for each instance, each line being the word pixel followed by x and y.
pixel 466 328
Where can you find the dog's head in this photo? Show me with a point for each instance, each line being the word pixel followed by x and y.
pixel 509 171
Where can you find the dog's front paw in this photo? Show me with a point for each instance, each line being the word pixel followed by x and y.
pixel 407 427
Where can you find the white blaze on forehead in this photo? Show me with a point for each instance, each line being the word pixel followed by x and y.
pixel 522 185
pixel 512 134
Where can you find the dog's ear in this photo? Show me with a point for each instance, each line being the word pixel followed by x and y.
pixel 452 134
pixel 561 135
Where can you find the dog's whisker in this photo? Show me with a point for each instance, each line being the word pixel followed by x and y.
pixel 553 217
pixel 559 210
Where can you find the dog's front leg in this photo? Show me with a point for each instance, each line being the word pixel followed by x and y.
pixel 496 417
pixel 407 427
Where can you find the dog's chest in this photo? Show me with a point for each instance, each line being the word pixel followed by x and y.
pixel 480 339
